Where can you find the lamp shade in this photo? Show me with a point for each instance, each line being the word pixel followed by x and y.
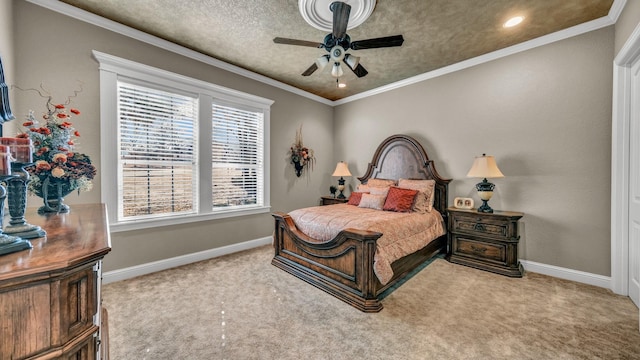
pixel 336 71
pixel 322 61
pixel 484 167
pixel 341 169
pixel 352 61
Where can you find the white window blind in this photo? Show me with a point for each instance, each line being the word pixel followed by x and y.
pixel 157 159
pixel 236 157
pixel 176 150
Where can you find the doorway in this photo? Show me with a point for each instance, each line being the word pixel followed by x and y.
pixel 625 171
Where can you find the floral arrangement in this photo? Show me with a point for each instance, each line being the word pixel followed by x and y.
pixel 53 142
pixel 301 156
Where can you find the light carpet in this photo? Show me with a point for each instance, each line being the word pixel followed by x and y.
pixel 239 306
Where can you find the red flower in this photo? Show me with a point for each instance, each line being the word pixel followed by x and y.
pixel 70 142
pixel 77 133
pixel 28 123
pixel 75 111
pixel 61 116
pixel 23 136
pixel 59 106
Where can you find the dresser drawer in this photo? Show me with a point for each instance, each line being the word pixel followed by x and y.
pixel 497 227
pixel 481 250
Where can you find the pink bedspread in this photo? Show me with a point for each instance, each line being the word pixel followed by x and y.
pixel 403 233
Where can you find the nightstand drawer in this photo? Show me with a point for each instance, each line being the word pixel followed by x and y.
pixel 481 225
pixel 327 200
pixel 486 251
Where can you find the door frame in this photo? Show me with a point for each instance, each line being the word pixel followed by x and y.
pixel 629 53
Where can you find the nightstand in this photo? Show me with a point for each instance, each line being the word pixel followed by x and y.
pixel 487 241
pixel 329 200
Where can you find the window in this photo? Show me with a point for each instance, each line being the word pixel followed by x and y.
pixel 177 149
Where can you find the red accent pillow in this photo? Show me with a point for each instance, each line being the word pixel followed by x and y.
pixel 399 199
pixel 355 197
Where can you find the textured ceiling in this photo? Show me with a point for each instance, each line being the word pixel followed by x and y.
pixel 437 33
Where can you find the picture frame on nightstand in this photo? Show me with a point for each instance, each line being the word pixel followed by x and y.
pixel 463 203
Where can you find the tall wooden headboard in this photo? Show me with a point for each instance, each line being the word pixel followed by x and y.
pixel 401 156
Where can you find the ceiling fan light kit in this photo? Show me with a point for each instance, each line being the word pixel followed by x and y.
pixel 338 42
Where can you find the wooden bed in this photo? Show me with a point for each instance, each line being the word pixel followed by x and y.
pixel 343 266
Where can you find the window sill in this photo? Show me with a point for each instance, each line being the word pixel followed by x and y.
pixel 185 219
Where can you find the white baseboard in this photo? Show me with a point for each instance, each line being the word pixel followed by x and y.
pixel 148 268
pixel 567 274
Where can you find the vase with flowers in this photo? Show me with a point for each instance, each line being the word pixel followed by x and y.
pixel 57 169
pixel 301 156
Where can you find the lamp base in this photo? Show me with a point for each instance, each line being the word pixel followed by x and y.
pixel 341 188
pixel 485 191
pixel 485 208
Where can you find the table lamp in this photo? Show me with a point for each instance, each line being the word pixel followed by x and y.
pixel 485 167
pixel 341 170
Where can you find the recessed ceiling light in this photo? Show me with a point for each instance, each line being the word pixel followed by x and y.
pixel 513 21
pixel 342 85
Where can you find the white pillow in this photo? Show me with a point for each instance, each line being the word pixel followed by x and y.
pixel 381 182
pixel 375 190
pixel 372 201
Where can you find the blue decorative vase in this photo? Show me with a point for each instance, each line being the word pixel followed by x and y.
pixel 52 193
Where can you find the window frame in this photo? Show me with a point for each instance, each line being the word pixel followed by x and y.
pixel 112 69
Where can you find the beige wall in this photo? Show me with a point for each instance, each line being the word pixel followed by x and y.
pixel 545 114
pixel 627 22
pixel 56 50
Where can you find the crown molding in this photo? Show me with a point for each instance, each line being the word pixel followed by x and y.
pixel 527 45
pixel 107 24
pixel 71 11
pixel 616 9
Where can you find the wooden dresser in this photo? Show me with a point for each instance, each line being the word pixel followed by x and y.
pixel 50 295
pixel 487 241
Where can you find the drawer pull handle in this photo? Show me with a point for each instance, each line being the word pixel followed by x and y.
pixel 478 250
pixel 479 227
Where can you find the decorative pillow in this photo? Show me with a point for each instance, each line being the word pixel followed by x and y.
pixel 379 190
pixel 381 182
pixel 355 197
pixel 375 190
pixel 363 188
pixel 399 199
pixel 424 199
pixel 372 201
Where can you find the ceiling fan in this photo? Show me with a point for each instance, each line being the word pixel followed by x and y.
pixel 338 43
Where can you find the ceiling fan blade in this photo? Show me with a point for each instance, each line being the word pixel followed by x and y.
pixel 340 18
pixel 387 41
pixel 359 70
pixel 310 70
pixel 287 41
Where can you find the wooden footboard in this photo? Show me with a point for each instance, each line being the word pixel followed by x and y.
pixel 343 267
